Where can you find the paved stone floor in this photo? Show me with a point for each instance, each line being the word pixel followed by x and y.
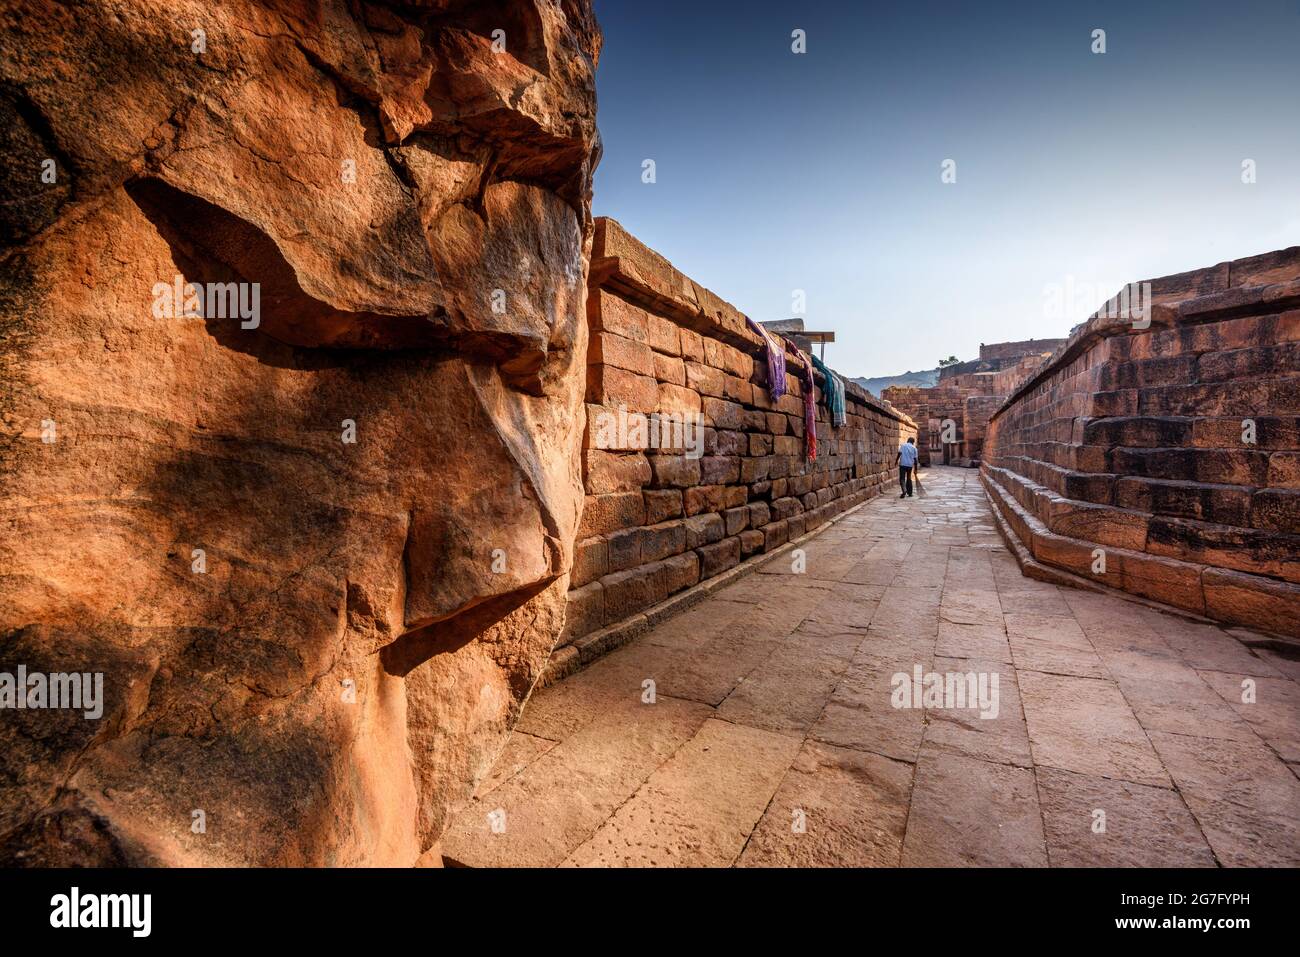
pixel 1121 735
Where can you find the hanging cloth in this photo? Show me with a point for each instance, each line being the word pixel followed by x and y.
pixel 809 404
pixel 775 360
pixel 834 393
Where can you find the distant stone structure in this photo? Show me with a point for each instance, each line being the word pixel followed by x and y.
pixel 1162 457
pixel 953 415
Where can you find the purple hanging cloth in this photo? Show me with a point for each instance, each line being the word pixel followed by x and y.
pixel 775 360
pixel 805 374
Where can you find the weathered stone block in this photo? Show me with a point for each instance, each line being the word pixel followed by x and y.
pixel 751 542
pixel 725 443
pixel 720 469
pixel 1139 432
pixel 624 549
pixel 718 556
pixel 614 350
pixel 609 512
pixel 627 592
pixel 675 574
pixel 775 534
pixel 664 335
pixel 1250 600
pixel 755 469
pixel 703 379
pixel 738 390
pixel 608 312
pixel 722 414
pixel 611 386
pixel 614 471
pixel 785 507
pixel 669 369
pixel 662 540
pixel 675 470
pixel 662 504
pixel 703 498
pixel 692 345
pixel 736 519
pixel 735 496
pixel 590 561
pixel 676 399
pixel 584 611
pixel 703 530
pixel 1284 470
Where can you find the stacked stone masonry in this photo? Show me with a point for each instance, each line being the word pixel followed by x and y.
pixel 967 395
pixel 656 520
pixel 1164 460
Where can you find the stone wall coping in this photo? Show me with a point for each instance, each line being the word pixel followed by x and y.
pixel 1181 298
pixel 623 264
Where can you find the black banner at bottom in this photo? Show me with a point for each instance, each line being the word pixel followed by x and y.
pixel 335 907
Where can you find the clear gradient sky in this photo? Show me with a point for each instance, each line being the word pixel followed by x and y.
pixel 820 171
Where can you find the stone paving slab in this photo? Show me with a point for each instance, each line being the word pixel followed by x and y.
pixel 789 690
pixel 775 706
pixel 1002 738
pixel 1273 711
pixel 700 807
pixel 1052 658
pixel 707 676
pixel 1098 822
pixel 1085 725
pixel 520 751
pixel 973 641
pixel 967 812
pixel 859 714
pixel 1188 706
pixel 1246 800
pixel 1210 649
pixel 564 796
pixel 851 806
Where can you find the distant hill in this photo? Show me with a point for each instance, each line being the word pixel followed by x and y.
pixel 926 378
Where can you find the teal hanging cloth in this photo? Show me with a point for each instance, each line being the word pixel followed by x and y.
pixel 834 392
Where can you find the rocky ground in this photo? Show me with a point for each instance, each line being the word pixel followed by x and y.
pixel 1121 736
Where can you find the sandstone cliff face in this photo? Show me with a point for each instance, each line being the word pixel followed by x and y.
pixel 319 553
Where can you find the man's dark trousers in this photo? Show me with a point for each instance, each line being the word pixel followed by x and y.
pixel 905 480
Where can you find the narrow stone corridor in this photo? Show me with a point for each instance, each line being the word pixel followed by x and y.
pixel 762 727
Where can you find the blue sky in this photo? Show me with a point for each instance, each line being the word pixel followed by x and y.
pixel 820 171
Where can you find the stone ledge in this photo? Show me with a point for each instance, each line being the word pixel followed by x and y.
pixel 1201 295
pixel 622 263
pixel 1220 590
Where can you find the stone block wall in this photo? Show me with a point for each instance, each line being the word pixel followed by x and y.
pixel 913 401
pixel 1015 350
pixel 656 520
pixel 976 412
pixel 1172 452
pixel 968 393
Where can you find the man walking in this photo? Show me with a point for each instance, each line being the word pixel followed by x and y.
pixel 907 456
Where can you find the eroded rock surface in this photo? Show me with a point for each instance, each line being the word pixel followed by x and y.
pixel 320 644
